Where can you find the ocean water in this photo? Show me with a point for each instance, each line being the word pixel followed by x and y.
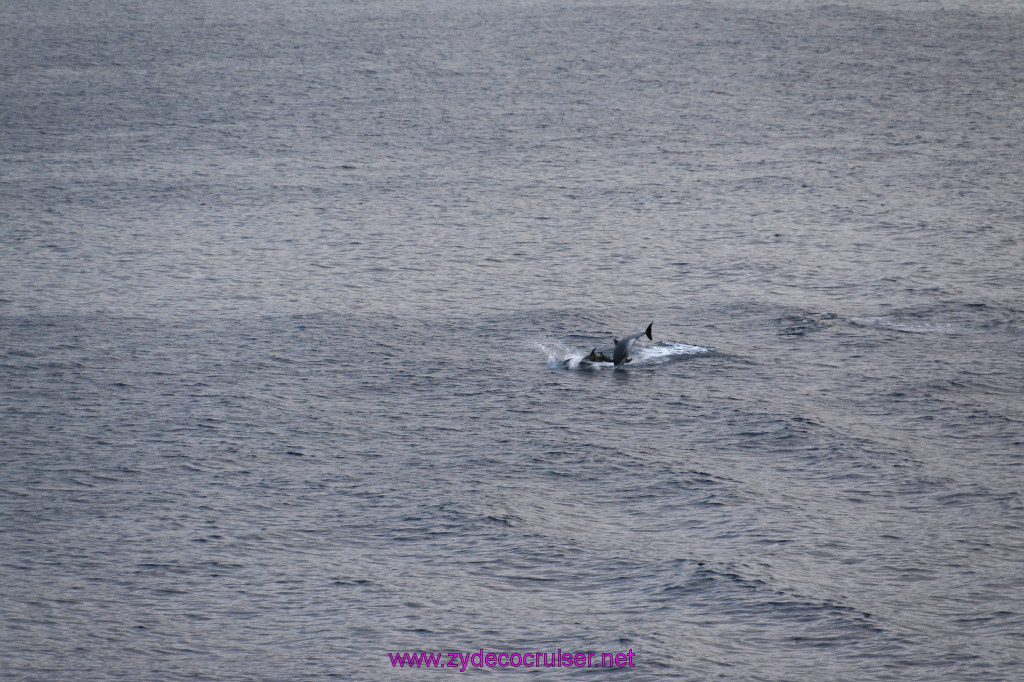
pixel 293 298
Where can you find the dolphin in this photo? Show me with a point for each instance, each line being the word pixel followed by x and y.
pixel 593 358
pixel 623 347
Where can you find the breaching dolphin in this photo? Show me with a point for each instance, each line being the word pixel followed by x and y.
pixel 623 347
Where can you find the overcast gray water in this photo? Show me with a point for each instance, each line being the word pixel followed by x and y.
pixel 293 296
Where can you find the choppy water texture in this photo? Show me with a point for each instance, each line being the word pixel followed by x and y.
pixel 288 291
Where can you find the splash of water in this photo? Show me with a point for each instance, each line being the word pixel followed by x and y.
pixel 561 356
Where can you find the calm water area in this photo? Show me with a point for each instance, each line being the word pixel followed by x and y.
pixel 293 298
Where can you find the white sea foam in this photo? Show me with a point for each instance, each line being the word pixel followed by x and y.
pixel 561 356
pixel 667 349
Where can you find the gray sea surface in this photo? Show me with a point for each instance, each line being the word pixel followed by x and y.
pixel 293 297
